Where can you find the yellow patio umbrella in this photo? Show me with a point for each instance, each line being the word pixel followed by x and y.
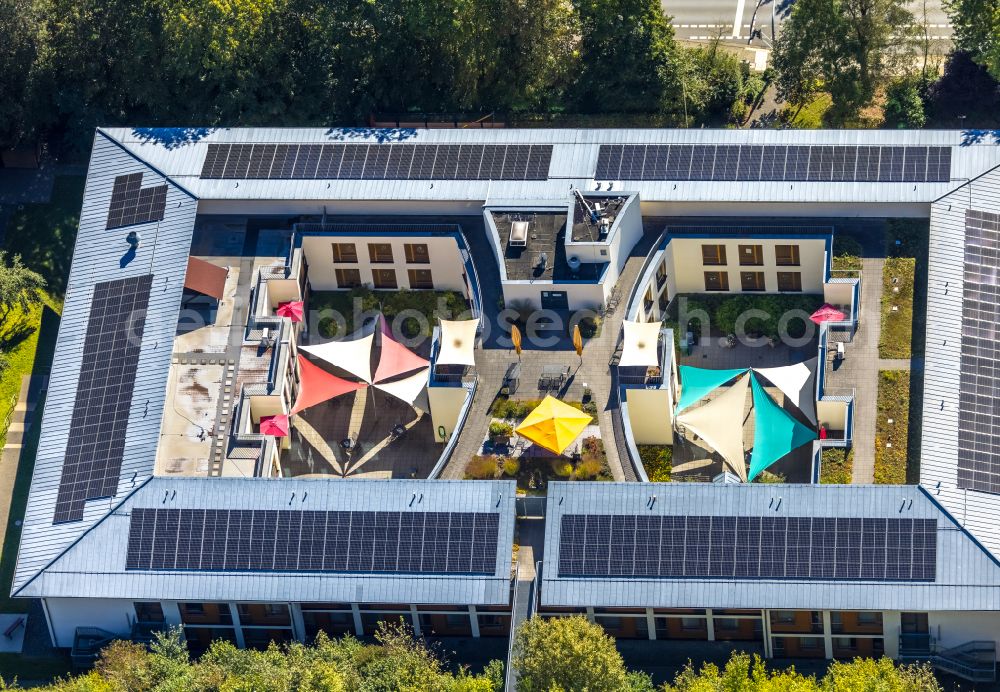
pixel 515 337
pixel 554 425
pixel 578 340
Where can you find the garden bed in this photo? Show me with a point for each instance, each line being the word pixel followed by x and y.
pixel 725 310
pixel 891 438
pixel 838 466
pixel 430 304
pixel 657 460
pixel 533 473
pixel 897 308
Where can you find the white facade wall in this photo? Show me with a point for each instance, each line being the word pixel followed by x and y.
pixel 446 263
pixel 66 614
pixel 849 210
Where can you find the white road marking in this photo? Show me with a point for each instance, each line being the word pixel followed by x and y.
pixel 738 19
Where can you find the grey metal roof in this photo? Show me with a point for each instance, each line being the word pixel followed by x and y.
pixel 180 153
pixel 967 576
pixel 94 567
pixel 96 258
pixel 977 511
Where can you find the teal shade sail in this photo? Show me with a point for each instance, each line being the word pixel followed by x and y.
pixel 776 432
pixel 699 382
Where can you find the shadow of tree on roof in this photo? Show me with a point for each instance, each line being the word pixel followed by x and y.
pixel 172 137
pixel 970 137
pixel 381 134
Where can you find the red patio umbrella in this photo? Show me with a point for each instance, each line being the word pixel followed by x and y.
pixel 293 309
pixel 827 313
pixel 276 426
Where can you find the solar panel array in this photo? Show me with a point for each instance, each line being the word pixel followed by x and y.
pixel 314 541
pixel 377 161
pixel 729 547
pixel 131 203
pixel 764 163
pixel 979 384
pixel 97 428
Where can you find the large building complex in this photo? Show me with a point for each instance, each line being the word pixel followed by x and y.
pixel 160 497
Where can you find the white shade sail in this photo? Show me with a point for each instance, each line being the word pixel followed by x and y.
pixel 407 389
pixel 458 342
pixel 720 424
pixel 353 356
pixel 797 382
pixel 641 339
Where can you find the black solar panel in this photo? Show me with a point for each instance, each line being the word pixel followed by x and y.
pixel 131 203
pixel 979 383
pixel 103 395
pixel 313 541
pixel 757 162
pixel 816 548
pixel 391 161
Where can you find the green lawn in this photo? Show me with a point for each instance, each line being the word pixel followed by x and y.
pixel 838 465
pixel 897 308
pixel 891 438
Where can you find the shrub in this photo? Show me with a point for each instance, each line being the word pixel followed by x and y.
pixel 589 327
pixel 561 467
pixel 768 477
pixel 657 461
pixel 903 105
pixel 481 468
pixel 501 429
pixel 328 328
pixel 593 445
pixel 590 407
pixel 511 466
pixel 589 468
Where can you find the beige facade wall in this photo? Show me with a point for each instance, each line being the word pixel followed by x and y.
pixel 689 270
pixel 446 404
pixel 838 294
pixel 580 296
pixel 650 415
pixel 446 265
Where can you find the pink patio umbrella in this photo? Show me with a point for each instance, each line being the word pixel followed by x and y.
pixel 276 426
pixel 827 313
pixel 293 309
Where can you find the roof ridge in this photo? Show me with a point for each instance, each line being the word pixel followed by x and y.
pixel 166 178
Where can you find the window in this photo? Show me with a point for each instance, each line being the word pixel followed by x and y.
pixel 727 624
pixel 689 624
pixel 790 281
pixel 752 281
pixel 348 278
pixel 913 623
pixel 867 617
pixel 384 278
pixel 148 612
pixel 380 253
pixel 344 252
pixel 716 281
pixel 751 255
pixel 420 278
pixel 786 616
pixel 786 255
pixel 416 253
pixel 713 255
pixel 810 642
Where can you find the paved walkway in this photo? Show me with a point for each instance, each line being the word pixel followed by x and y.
pixel 493 359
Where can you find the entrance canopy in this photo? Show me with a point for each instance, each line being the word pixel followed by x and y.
pixel 554 425
pixel 317 385
pixel 354 356
pixel 696 383
pixel 641 339
pixel 776 432
pixel 458 342
pixel 720 424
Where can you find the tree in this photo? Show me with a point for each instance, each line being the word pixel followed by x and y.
pixel 713 80
pixel 570 653
pixel 19 44
pixel 904 106
pixel 20 287
pixel 966 95
pixel 849 48
pixel 976 24
pixel 863 674
pixel 629 61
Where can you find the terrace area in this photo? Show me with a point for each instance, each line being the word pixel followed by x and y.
pixel 534 249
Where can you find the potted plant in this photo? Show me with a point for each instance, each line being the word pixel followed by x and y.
pixel 500 432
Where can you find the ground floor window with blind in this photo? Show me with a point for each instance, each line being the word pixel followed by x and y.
pixel 752 281
pixel 716 281
pixel 420 278
pixel 789 281
pixel 348 278
pixel 384 278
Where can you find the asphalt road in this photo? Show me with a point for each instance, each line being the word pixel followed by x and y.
pixel 703 20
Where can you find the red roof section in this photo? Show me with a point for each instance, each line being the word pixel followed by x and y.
pixel 205 278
